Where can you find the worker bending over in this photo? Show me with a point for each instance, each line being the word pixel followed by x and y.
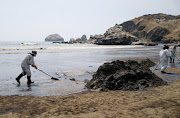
pixel 25 65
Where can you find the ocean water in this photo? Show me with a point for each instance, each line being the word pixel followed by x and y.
pixel 62 61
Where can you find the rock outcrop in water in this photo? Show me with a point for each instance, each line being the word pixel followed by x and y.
pixel 54 37
pixel 83 39
pixel 129 75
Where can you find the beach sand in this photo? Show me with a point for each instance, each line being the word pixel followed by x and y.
pixel 159 102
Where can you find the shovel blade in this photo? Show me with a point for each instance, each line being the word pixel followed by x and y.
pixel 54 78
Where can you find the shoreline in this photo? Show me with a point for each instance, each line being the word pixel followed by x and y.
pixel 162 101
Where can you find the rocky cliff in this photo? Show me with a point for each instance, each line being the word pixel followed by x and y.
pixel 148 28
pixel 154 27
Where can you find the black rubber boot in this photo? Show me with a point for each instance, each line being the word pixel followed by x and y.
pixel 173 60
pixel 29 80
pixel 19 77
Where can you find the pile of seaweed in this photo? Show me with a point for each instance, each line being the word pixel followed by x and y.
pixel 129 75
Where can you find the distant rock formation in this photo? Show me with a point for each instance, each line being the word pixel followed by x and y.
pixel 78 40
pixel 114 36
pixel 129 75
pixel 84 38
pixel 72 40
pixel 54 37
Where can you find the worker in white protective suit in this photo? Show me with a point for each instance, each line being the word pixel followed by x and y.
pixel 172 54
pixel 25 65
pixel 164 55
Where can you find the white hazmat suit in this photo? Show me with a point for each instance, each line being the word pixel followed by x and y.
pixel 164 55
pixel 25 65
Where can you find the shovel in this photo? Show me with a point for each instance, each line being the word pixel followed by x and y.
pixel 156 67
pixel 48 75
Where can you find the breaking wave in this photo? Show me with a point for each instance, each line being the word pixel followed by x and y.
pixel 67 47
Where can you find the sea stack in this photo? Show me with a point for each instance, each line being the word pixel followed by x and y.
pixel 54 37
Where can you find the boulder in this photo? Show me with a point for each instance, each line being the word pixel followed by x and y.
pixel 129 75
pixel 84 38
pixel 72 40
pixel 54 37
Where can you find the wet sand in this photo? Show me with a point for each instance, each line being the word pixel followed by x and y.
pixel 159 102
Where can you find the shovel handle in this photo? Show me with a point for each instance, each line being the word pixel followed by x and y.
pixel 44 72
pixel 157 66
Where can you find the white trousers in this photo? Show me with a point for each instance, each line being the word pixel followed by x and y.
pixel 26 70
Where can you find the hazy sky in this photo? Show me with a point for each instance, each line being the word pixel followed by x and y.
pixel 34 20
